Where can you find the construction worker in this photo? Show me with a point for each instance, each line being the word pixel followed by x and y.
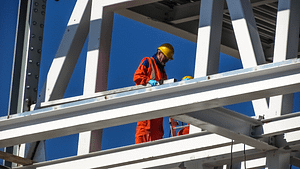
pixel 151 71
pixel 185 130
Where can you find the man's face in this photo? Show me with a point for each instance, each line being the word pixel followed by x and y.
pixel 162 58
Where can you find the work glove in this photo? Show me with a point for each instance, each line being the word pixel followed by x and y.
pixel 152 82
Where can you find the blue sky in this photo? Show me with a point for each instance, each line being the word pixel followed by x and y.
pixel 131 41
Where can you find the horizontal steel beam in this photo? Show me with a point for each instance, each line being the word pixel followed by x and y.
pixel 161 152
pixel 203 147
pixel 279 125
pixel 165 100
pixel 226 123
pixel 98 94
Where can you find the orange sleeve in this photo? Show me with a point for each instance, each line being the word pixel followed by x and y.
pixel 141 76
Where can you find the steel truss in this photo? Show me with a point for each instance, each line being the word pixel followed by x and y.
pixel 240 28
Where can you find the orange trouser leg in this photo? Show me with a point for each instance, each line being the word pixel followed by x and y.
pixel 141 138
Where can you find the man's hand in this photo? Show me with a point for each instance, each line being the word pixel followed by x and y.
pixel 152 82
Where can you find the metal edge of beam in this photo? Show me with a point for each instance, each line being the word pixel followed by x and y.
pixel 173 30
pixel 98 94
pixel 206 150
pixel 124 4
pixel 15 159
pixel 152 151
pixel 226 123
pixel 176 98
pixel 158 25
pixel 236 75
pixel 278 125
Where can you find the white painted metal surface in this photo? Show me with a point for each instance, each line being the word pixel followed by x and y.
pixel 207 149
pixel 197 101
pixel 177 98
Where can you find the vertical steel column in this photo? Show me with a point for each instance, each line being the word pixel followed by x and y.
pixel 37 19
pixel 278 160
pixel 209 37
pixel 27 57
pixel 34 151
pixel 208 40
pixel 286 47
pixel 97 64
pixel 17 85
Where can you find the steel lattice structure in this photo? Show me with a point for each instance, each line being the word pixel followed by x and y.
pixel 264 34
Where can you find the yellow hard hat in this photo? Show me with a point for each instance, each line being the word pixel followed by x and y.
pixel 167 49
pixel 187 77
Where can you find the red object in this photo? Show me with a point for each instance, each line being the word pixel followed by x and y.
pixel 148 130
pixel 183 131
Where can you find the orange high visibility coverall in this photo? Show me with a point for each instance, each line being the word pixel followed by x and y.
pixel 184 131
pixel 149 130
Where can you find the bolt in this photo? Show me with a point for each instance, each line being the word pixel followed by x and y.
pixel 38 63
pixel 29 74
pixel 30 61
pixel 26 100
pixel 35 10
pixel 34 102
pixel 35 89
pixel 33 35
pixel 41 25
pixel 39 51
pixel 36 3
pixel 34 22
pixel 43 12
pixel 31 48
pixel 36 76
pixel 27 87
pixel 43 6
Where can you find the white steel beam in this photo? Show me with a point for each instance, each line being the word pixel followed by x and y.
pixel 248 41
pixel 74 38
pixel 285 47
pixel 154 154
pixel 69 50
pixel 254 164
pixel 226 123
pixel 176 98
pixel 98 94
pixel 195 149
pixel 246 33
pixel 202 147
pixel 158 25
pixel 209 38
pixel 98 50
pixel 279 125
pixel 287 27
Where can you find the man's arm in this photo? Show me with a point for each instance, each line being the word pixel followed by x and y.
pixel 141 74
